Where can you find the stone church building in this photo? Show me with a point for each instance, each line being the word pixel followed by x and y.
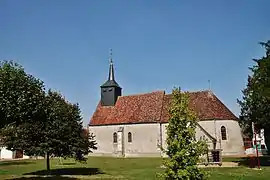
pixel 135 125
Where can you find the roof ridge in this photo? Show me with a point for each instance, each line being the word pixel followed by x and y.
pixel 199 91
pixel 146 93
pixel 191 92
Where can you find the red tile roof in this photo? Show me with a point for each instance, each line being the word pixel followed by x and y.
pixel 153 107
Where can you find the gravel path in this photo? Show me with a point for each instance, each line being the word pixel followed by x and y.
pixel 224 164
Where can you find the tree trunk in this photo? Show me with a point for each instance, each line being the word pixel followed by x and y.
pixel 48 161
pixel 267 139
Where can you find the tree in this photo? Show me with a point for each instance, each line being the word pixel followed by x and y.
pixel 183 149
pixel 37 123
pixel 255 104
pixel 58 133
pixel 20 94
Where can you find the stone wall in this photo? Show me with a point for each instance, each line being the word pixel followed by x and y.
pixel 147 138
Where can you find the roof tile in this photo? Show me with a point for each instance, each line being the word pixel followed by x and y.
pixel 153 107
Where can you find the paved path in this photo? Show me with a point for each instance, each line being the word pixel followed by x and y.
pixel 224 164
pixel 5 160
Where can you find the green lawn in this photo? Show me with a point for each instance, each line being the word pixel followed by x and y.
pixel 115 168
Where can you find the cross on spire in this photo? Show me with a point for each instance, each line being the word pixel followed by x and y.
pixel 110 57
pixel 111 71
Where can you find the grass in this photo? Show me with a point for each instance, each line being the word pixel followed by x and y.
pixel 117 168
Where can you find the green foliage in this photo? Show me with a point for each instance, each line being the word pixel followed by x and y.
pixel 20 94
pixel 183 149
pixel 66 134
pixel 255 105
pixel 39 123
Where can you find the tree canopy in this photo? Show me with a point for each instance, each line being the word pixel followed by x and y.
pixel 255 104
pixel 40 123
pixel 183 149
pixel 20 94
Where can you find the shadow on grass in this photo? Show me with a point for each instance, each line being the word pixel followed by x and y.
pixel 45 178
pixel 252 161
pixel 10 163
pixel 68 171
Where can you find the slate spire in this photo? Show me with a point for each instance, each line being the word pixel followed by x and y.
pixel 111 79
pixel 111 70
pixel 110 90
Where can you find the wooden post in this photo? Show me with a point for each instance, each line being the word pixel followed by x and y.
pixel 257 153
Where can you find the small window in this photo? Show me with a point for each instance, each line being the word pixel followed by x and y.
pixel 110 89
pixel 129 137
pixel 223 133
pixel 115 137
pixel 202 138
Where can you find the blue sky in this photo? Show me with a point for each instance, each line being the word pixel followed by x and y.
pixel 156 44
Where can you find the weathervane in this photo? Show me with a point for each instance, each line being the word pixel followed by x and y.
pixel 110 58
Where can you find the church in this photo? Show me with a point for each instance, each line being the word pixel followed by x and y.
pixel 135 125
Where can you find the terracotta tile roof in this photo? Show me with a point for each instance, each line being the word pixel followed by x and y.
pixel 153 107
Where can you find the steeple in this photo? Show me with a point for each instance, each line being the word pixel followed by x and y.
pixel 111 70
pixel 110 90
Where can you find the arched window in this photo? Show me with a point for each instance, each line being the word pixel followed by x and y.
pixel 223 133
pixel 129 137
pixel 115 137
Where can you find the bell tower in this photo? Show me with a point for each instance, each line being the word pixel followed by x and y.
pixel 110 90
